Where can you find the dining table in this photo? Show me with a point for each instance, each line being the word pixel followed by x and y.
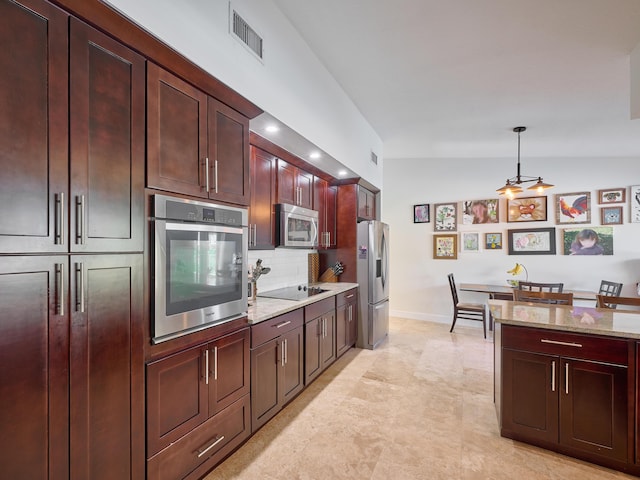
pixel 505 292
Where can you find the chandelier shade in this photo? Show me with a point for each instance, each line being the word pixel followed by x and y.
pixel 513 185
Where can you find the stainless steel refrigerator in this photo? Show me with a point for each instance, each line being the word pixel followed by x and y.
pixel 373 278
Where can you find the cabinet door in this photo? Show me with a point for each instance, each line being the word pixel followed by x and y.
pixel 331 212
pixel 107 138
pixel 228 153
pixel 342 327
pixel 312 353
pixel 328 339
pixel 352 324
pixel 106 378
pixel 287 186
pixel 304 182
pixel 265 374
pixel 176 134
pixel 593 407
pixel 228 370
pixel 366 204
pixel 33 127
pixel 530 395
pixel 34 412
pixel 292 376
pixel 263 197
pixel 177 395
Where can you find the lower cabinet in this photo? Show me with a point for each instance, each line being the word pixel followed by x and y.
pixel 277 348
pixel 198 405
pixel 567 390
pixel 320 337
pixel 346 324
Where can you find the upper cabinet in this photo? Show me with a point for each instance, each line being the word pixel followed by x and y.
pixel 366 204
pixel 324 201
pixel 195 145
pixel 295 186
pixel 50 140
pixel 263 196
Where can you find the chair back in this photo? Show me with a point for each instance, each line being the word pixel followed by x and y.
pixel 540 287
pixel 607 301
pixel 550 298
pixel 611 289
pixel 454 292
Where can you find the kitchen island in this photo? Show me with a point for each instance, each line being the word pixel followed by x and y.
pixel 566 380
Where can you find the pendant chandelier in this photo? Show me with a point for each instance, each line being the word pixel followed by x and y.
pixel 513 185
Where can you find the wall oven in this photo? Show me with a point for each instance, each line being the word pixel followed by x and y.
pixel 297 226
pixel 200 265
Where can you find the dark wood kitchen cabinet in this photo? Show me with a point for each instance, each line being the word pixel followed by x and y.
pixel 346 320
pixel 565 389
pixel 324 202
pixel 72 385
pixel 295 186
pixel 366 204
pixel 187 389
pixel 320 337
pixel 196 145
pixel 74 104
pixel 277 362
pixel 263 198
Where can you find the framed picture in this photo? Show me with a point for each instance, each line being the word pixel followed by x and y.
pixel 634 199
pixel 532 241
pixel 493 241
pixel 480 211
pixel 612 195
pixel 445 217
pixel 445 247
pixel 587 241
pixel 573 207
pixel 469 242
pixel 421 213
pixel 611 215
pixel 527 209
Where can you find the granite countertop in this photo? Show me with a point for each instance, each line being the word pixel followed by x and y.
pixel 588 320
pixel 263 308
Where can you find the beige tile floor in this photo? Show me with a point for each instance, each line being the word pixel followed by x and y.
pixel 418 407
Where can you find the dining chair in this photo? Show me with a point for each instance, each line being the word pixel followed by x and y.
pixel 540 287
pixel 608 301
pixel 549 298
pixel 609 289
pixel 468 311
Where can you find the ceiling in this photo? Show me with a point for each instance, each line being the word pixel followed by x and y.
pixel 452 78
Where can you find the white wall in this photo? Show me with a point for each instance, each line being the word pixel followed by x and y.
pixel 292 85
pixel 419 287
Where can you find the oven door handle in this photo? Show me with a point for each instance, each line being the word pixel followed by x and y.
pixel 201 227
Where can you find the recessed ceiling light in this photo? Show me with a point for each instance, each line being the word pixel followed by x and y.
pixel 342 173
pixel 314 155
pixel 272 128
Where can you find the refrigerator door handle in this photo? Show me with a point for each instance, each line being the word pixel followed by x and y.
pixel 385 259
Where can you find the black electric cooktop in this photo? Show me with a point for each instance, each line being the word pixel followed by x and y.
pixel 301 292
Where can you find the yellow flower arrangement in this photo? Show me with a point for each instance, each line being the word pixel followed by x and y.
pixel 517 270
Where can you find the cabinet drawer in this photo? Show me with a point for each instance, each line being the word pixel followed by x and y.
pixel 589 347
pixel 274 327
pixel 319 308
pixel 209 442
pixel 348 296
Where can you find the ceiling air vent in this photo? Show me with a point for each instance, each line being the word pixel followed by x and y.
pixel 247 35
pixel 374 158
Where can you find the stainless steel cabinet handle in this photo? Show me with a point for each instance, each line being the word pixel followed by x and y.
pixel 215 363
pixel 59 234
pixel 283 324
pixel 79 287
pixel 217 441
pixel 282 353
pixel 556 342
pixel 566 378
pixel 206 173
pixel 60 282
pixel 351 295
pixel 80 220
pixel 350 313
pixel 324 327
pixel 215 173
pixel 553 375
pixel 206 366
pixel 286 345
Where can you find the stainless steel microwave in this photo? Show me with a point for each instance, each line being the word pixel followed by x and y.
pixel 297 226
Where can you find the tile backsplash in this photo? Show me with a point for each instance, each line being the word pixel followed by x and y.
pixel 289 267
